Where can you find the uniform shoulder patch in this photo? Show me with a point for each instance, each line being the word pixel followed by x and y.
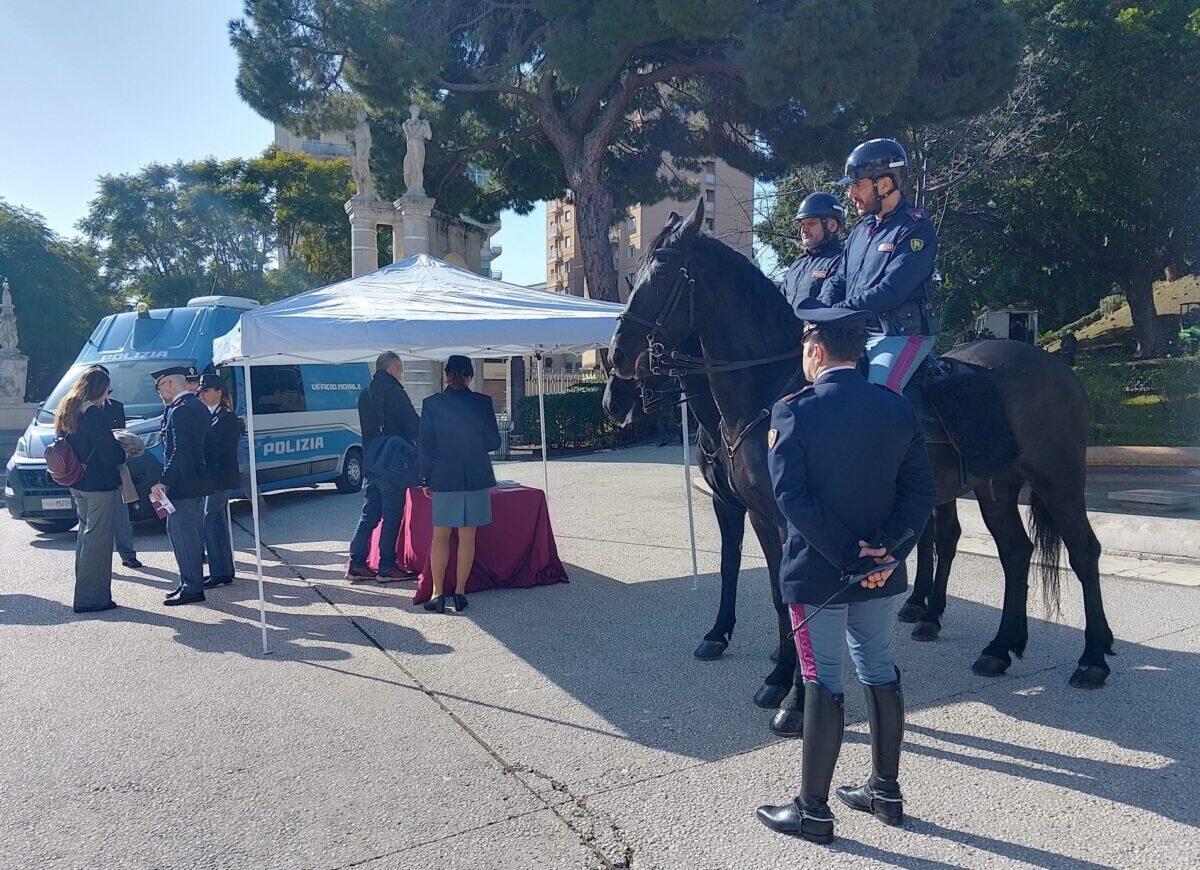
pixel 772 437
pixel 916 244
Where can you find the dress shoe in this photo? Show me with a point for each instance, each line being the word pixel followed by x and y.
pixel 131 562
pixel 214 582
pixel 193 598
pixel 109 606
pixel 436 605
pixel 360 573
pixel 460 603
pixel 396 574
pixel 814 824
pixel 174 593
pixel 880 794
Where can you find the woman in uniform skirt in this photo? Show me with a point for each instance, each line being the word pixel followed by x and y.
pixel 458 431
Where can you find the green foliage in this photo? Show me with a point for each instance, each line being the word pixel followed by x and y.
pixel 1149 403
pixel 58 294
pixel 588 95
pixel 169 233
pixel 575 419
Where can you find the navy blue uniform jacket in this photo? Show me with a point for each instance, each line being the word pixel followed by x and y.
pixel 458 431
pixel 187 425
pixel 887 268
pixel 807 275
pixel 847 458
pixel 222 445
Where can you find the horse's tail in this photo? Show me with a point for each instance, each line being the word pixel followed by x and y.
pixel 1047 544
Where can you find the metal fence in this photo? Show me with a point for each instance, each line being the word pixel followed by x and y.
pixel 559 381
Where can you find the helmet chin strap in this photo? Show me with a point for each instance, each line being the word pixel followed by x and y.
pixel 878 207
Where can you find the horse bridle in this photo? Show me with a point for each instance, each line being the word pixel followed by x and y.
pixel 671 363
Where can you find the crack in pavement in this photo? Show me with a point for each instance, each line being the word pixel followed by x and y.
pixel 587 837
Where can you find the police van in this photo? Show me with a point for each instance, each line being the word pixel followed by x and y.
pixel 305 417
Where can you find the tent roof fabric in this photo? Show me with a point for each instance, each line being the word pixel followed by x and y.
pixel 421 308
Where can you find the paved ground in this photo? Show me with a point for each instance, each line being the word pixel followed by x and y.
pixel 563 727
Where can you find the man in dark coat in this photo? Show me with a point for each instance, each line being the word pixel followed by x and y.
pixel 853 481
pixel 222 458
pixel 384 408
pixel 185 479
pixel 114 413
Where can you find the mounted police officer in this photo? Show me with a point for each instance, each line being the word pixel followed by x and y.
pixel 887 267
pixel 818 223
pixel 853 482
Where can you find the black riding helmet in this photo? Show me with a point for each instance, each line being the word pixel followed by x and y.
pixel 875 159
pixel 821 205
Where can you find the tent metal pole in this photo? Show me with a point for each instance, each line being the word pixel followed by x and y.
pixel 687 489
pixel 262 598
pixel 542 421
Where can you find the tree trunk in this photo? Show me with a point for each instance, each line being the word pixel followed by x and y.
pixel 594 213
pixel 1151 341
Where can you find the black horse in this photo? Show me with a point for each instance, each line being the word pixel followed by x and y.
pixel 623 402
pixel 691 284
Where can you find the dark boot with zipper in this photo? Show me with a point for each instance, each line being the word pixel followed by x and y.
pixel 808 816
pixel 880 794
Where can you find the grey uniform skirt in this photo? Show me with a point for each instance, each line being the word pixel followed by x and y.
pixel 457 510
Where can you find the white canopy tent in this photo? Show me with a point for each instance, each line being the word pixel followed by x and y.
pixel 421 308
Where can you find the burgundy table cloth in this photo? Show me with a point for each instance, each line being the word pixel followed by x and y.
pixel 517 551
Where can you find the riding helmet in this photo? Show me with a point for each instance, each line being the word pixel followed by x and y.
pixel 876 158
pixel 822 205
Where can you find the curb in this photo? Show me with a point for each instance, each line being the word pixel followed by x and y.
pixel 1144 457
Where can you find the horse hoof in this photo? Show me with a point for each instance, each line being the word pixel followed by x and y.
pixel 711 650
pixel 989 666
pixel 1089 677
pixel 910 613
pixel 770 697
pixel 788 724
pixel 926 631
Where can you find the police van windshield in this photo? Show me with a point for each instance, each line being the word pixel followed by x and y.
pixel 131 385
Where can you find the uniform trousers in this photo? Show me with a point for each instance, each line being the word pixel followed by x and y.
pixel 123 530
pixel 185 528
pixel 866 627
pixel 894 358
pixel 216 535
pixel 94 547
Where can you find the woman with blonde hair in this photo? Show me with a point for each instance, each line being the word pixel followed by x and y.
pixel 85 425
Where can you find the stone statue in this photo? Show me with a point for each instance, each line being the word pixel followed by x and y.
pixel 360 162
pixel 416 132
pixel 8 322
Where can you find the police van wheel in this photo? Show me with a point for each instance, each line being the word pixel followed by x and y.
pixel 51 527
pixel 352 473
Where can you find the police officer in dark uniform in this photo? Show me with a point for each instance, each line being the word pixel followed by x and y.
pixel 853 481
pixel 818 223
pixel 887 267
pixel 185 478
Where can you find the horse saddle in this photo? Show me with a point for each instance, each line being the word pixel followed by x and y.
pixel 959 404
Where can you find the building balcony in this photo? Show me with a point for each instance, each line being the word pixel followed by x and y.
pixel 325 149
pixel 496 251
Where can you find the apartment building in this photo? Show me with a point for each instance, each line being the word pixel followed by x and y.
pixel 729 197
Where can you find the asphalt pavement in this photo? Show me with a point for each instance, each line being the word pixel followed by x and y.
pixel 560 727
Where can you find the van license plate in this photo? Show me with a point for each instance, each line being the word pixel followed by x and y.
pixel 57 504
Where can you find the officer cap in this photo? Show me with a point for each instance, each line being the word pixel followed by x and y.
pixel 822 205
pixel 876 158
pixel 186 371
pixel 212 382
pixel 818 315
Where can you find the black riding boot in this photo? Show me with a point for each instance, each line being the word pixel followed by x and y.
pixel 880 795
pixel 808 815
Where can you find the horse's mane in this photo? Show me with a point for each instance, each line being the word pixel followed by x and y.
pixel 755 292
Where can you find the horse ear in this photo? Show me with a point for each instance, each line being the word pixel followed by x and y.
pixel 691 227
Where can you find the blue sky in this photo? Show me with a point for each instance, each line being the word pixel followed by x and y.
pixel 94 87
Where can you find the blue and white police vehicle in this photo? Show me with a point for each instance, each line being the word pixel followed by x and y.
pixel 305 417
